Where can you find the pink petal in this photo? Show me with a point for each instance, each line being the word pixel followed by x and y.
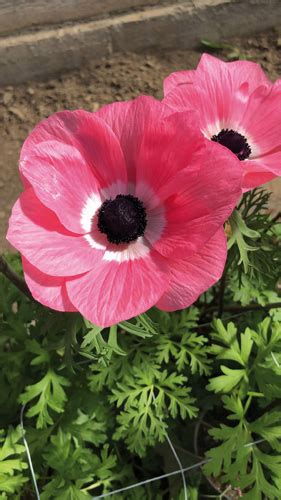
pixel 114 292
pixel 215 81
pixel 132 122
pixel 157 144
pixel 212 115
pixel 193 276
pixel 252 116
pixel 262 121
pixel 239 71
pixel 256 179
pixel 261 170
pixel 246 71
pixel 62 180
pixel 36 232
pixel 168 146
pixel 178 78
pixel 129 120
pixel 75 152
pixel 48 290
pixel 220 93
pixel 240 97
pixel 118 117
pixel 204 199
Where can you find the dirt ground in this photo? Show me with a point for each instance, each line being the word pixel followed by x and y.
pixel 117 77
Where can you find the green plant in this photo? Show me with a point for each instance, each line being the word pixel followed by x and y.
pixel 100 404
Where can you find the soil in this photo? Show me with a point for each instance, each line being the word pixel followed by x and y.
pixel 118 77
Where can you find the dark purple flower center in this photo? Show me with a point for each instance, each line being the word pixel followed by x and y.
pixel 122 219
pixel 234 141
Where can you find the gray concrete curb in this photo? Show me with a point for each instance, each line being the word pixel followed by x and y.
pixel 37 54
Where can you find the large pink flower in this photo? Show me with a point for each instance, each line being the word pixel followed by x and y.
pixel 238 108
pixel 122 210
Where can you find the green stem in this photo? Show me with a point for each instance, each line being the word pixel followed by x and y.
pixel 221 293
pixel 250 307
pixel 12 276
pixel 92 486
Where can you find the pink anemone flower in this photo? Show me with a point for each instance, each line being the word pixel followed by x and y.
pixel 122 210
pixel 238 108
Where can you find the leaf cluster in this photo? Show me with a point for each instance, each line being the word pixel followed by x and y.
pixel 102 405
pixel 249 377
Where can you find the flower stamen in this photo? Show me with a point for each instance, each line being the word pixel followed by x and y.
pixel 123 219
pixel 234 141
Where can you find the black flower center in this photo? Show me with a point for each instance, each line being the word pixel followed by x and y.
pixel 234 141
pixel 122 219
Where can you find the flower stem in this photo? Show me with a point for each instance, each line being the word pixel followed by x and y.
pixel 221 293
pixel 251 307
pixel 12 276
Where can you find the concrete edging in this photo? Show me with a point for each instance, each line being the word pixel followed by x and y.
pixel 37 54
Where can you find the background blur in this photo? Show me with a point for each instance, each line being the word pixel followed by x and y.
pixel 68 54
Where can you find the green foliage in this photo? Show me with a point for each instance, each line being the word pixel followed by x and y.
pixel 76 469
pixel 188 349
pixel 12 462
pixel 148 397
pixel 231 53
pixel 254 389
pixel 240 462
pixel 101 404
pixel 255 248
pixel 240 233
pixel 50 393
